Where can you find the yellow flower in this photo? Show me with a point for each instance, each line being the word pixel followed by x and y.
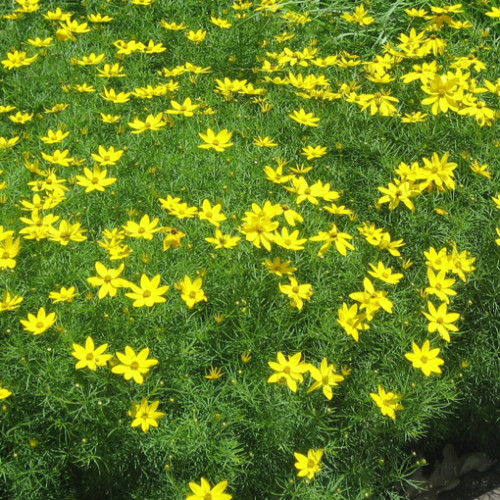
pixel 312 152
pixel 111 95
pixel 21 117
pixel 90 60
pixel 439 285
pixel 186 108
pixel 214 373
pixel 296 292
pixel 8 143
pixel 145 415
pixel 63 295
pixel 425 358
pixel 9 302
pixel 107 157
pixel 107 118
pixel 196 37
pixel 385 274
pixel 494 12
pixel 173 238
pixel 219 141
pixel 57 15
pixel 153 122
pixel 414 117
pixel 84 87
pixel 108 280
pixel 173 26
pixel 211 213
pixel 481 169
pixel 111 71
pixel 324 377
pixel 388 402
pixel 95 180
pixel 360 16
pixel 57 108
pixel 444 94
pixel 67 232
pixel 264 142
pixel 203 491
pixel 372 300
pixel 9 248
pixel 278 267
pixel 90 357
pixel 39 323
pixel 333 235
pixel 277 176
pixel 4 393
pixel 289 371
pixel 246 356
pixel 221 23
pixel 134 365
pixel 149 293
pixel 441 320
pixel 39 42
pixel 99 18
pixel 351 321
pixel 396 193
pixel 290 241
pixel 191 291
pixel 308 466
pixel 145 229
pixel 17 59
pixel 54 137
pixel 7 109
pixel 223 240
pixel 304 118
pixel 59 157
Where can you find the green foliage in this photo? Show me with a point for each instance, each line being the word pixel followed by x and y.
pixel 67 433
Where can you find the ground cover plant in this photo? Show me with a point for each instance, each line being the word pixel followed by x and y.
pixel 248 249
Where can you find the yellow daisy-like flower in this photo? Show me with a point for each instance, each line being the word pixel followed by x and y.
pixel 425 358
pixel 90 357
pixel 304 118
pixel 309 465
pixel 39 323
pixel 388 402
pixel 219 141
pixel 203 491
pixel 149 293
pixel 134 365
pixel 288 370
pixel 145 415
